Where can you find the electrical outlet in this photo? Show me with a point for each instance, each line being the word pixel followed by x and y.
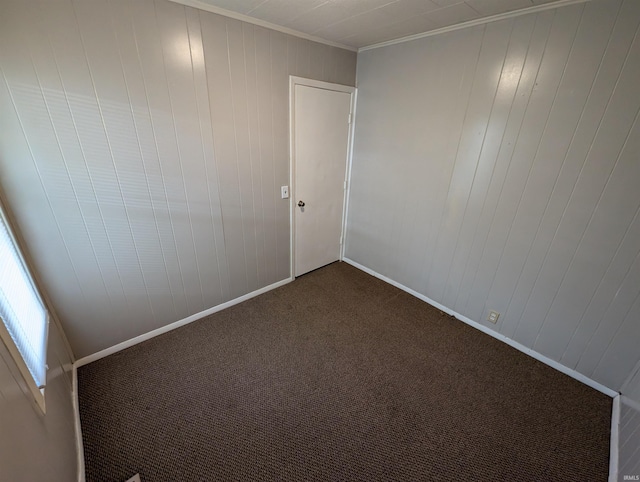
pixel 284 192
pixel 493 316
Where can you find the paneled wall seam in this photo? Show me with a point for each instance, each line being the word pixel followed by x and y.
pixel 439 223
pixel 533 159
pixel 633 380
pixel 273 151
pixel 264 238
pixel 638 296
pixel 124 78
pixel 620 244
pixel 475 233
pixel 592 214
pixel 109 146
pixel 535 156
pixel 484 137
pixel 73 120
pixel 569 148
pixel 544 130
pixel 144 167
pixel 511 156
pixel 553 190
pixel 215 245
pixel 180 163
pixel 626 139
pixel 41 181
pixel 224 289
pixel 617 331
pixel 583 166
pixel 537 215
pixel 464 119
pixel 253 194
pixel 64 161
pixel 235 134
pixel 165 208
pixel 164 187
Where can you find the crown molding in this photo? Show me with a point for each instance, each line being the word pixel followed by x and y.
pixel 473 23
pixel 255 21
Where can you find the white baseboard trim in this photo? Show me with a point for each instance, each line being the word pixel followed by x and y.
pixel 538 356
pixel 614 444
pixel 135 341
pixel 77 427
pixel 177 324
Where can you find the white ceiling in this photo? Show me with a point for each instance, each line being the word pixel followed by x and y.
pixel 359 23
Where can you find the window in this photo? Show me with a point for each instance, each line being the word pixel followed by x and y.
pixel 25 321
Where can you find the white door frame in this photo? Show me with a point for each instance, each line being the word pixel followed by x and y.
pixel 353 92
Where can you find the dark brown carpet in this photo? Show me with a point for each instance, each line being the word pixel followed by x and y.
pixel 337 376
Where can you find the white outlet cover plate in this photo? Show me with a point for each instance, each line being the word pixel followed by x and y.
pixel 284 191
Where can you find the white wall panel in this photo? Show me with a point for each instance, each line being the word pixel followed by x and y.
pixel 629 428
pixel 34 446
pixel 629 440
pixel 631 387
pixel 142 150
pixel 496 168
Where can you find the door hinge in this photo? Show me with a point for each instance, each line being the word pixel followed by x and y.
pixel 341 240
pixel 344 186
pixel 350 118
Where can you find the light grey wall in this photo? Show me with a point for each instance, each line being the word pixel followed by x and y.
pixel 496 168
pixel 631 387
pixel 142 150
pixel 629 430
pixel 629 441
pixel 35 446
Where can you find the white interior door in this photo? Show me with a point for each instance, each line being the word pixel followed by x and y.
pixel 321 144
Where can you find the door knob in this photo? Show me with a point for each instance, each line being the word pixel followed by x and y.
pixel 301 204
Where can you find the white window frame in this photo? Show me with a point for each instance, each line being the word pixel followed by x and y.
pixel 5 336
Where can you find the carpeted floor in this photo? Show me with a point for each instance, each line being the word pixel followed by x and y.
pixel 337 377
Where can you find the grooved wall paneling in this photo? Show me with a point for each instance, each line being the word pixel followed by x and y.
pixel 497 168
pixel 629 429
pixel 631 387
pixel 629 440
pixel 142 149
pixel 35 446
